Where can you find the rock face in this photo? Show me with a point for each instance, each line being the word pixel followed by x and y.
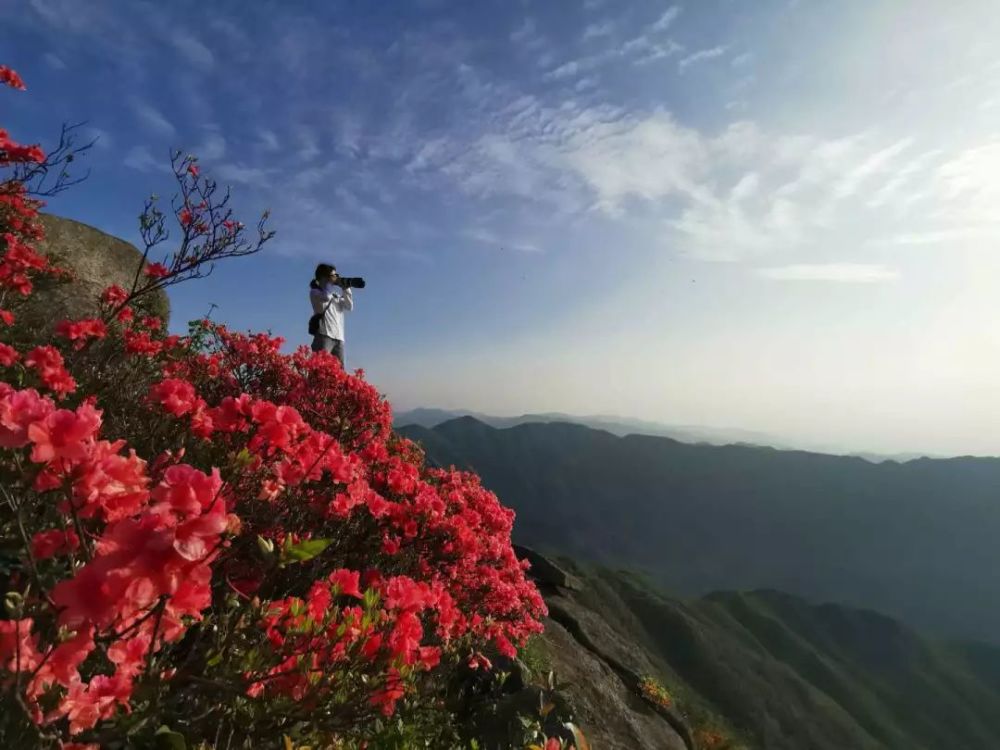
pixel 612 716
pixel 600 669
pixel 97 260
pixel 545 573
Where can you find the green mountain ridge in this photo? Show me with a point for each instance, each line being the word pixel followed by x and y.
pixel 916 540
pixel 623 426
pixel 779 673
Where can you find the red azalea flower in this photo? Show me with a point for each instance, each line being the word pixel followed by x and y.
pixel 11 78
pixel 114 295
pixel 46 544
pixel 347 582
pixel 8 355
pixel 156 270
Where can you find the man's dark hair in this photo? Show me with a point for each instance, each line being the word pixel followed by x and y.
pixel 323 270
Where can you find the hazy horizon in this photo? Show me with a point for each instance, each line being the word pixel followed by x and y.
pixel 778 217
pixel 725 433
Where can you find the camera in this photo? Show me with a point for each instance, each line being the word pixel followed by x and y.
pixel 351 281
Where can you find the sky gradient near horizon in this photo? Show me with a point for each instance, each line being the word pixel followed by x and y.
pixel 777 216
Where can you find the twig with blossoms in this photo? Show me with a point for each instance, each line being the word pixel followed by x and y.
pixel 209 231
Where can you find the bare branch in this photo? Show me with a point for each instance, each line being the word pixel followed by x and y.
pixel 52 176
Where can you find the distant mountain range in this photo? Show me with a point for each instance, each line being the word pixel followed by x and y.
pixel 917 540
pixel 784 674
pixel 622 426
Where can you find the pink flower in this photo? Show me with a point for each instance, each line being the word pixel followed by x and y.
pixel 110 485
pixel 61 665
pixel 129 656
pixel 64 434
pixel 18 645
pixel 85 705
pixel 48 362
pixel 176 396
pixel 18 411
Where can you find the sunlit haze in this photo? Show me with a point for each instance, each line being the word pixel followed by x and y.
pixel 775 216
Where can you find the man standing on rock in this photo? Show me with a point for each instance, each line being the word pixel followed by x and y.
pixel 330 297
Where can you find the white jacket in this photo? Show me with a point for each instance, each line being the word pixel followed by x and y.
pixel 336 302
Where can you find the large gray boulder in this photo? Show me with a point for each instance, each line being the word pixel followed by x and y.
pixel 97 260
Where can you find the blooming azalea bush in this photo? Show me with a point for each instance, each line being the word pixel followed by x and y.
pixel 654 692
pixel 206 538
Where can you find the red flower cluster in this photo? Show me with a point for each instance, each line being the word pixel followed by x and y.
pixel 153 554
pixel 11 78
pixel 11 151
pixel 19 261
pixel 279 522
pixel 50 367
pixel 80 331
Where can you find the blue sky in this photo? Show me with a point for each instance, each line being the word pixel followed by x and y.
pixel 771 215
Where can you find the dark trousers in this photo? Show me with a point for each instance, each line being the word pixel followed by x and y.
pixel 335 347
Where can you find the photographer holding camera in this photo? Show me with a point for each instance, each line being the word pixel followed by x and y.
pixel 330 295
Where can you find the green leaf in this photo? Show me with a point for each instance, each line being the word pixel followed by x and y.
pixel 167 739
pixel 305 550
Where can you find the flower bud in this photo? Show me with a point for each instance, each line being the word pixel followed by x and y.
pixel 13 603
pixel 266 546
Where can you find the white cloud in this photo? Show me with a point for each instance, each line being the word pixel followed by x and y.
pixel 497 241
pixel 737 194
pixel 153 119
pixel 243 175
pixel 639 50
pixel 701 56
pixel 566 70
pixel 740 60
pixel 902 177
pixel 192 49
pixel 308 148
pixel 970 181
pixel 268 140
pixel 597 30
pixel 526 35
pixel 231 30
pixel 842 273
pixel 873 164
pixel 65 14
pixel 212 147
pixel 141 159
pixel 652 51
pixel 102 139
pixel 664 22
pixel 53 61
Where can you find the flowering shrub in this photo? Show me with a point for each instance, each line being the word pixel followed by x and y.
pixel 713 739
pixel 654 692
pixel 206 537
